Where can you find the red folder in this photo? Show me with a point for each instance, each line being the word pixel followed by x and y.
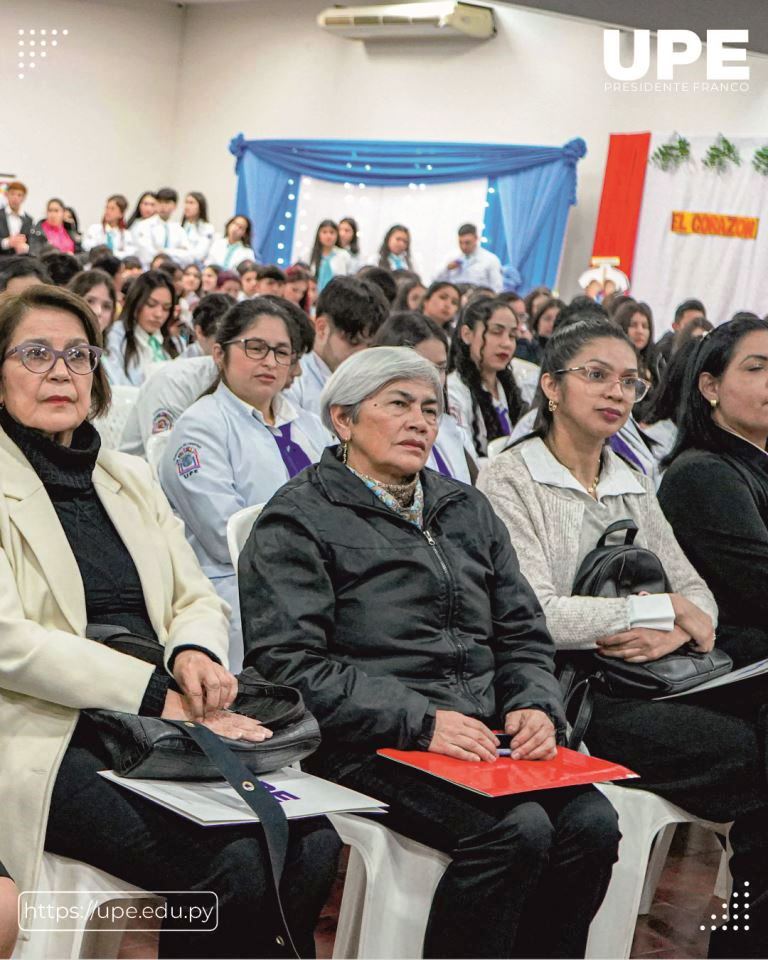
pixel 507 776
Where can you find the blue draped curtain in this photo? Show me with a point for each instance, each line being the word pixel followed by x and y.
pixel 529 191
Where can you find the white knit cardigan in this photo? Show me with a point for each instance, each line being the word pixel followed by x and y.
pixel 544 524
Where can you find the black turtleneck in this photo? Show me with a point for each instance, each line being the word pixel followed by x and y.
pixel 113 591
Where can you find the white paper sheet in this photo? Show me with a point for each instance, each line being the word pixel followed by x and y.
pixel 215 803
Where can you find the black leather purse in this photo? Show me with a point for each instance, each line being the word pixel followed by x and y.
pixel 151 748
pixel 618 570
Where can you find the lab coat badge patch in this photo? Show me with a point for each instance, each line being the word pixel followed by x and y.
pixel 187 460
pixel 162 421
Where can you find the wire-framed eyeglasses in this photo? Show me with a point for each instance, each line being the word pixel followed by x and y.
pixel 256 349
pixel 81 358
pixel 598 377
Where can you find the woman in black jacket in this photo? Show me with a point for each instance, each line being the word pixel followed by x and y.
pixel 392 597
pixel 715 492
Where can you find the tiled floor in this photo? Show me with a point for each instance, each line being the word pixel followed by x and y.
pixel 683 902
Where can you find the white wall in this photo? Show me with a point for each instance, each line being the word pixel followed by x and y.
pixel 97 114
pixel 143 93
pixel 265 69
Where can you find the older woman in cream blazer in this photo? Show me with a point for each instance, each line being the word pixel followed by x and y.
pixel 86 535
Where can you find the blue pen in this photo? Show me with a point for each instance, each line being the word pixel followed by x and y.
pixel 504 753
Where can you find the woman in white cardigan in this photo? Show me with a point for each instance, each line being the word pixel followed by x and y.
pixel 87 537
pixel 556 492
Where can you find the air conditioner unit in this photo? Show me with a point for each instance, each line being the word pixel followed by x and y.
pixel 436 18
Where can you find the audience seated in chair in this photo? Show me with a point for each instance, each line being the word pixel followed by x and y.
pixel 409 625
pixel 557 492
pixel 88 537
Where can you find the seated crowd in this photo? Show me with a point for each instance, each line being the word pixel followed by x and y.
pixel 435 460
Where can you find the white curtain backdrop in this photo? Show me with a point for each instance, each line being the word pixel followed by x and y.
pixel 433 215
pixel 726 273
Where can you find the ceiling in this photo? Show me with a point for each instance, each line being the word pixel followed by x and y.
pixel 696 15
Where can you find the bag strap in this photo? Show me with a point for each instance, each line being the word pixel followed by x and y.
pixel 271 815
pixel 629 525
pixel 584 713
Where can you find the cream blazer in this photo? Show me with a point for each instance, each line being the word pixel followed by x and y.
pixel 48 670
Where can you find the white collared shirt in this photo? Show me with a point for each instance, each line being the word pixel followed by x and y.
pixel 617 480
pixel 480 268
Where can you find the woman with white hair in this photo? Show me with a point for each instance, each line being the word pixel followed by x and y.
pixel 391 596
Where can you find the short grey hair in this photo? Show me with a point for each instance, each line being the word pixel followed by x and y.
pixel 366 372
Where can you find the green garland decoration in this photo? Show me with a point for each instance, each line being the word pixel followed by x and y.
pixel 760 161
pixel 671 154
pixel 721 154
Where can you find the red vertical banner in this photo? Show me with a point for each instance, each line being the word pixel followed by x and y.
pixel 622 198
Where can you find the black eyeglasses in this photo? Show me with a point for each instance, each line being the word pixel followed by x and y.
pixel 597 377
pixel 258 349
pixel 81 358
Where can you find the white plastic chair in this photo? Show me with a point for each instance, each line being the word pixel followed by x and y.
pixel 80 889
pixel 154 448
pixel 642 818
pixel 388 891
pixel 239 528
pixel 110 427
pixel 496 446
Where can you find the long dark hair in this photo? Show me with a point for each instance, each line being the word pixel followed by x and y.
pixel 560 350
pixel 384 248
pixel 136 298
pixel 317 250
pixel 665 404
pixel 714 352
pixel 354 243
pixel 246 239
pixel 480 311
pixel 136 215
pixel 623 317
pixel 403 292
pixel 202 206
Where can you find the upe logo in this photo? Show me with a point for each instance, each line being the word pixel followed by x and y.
pixel 677 48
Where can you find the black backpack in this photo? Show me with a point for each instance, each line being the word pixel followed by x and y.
pixel 619 570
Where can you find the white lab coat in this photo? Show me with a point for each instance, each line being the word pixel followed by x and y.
pixel 143 364
pixel 199 237
pixel 163 398
pixel 305 390
pixel 222 457
pixel 229 255
pixel 121 245
pixel 154 235
pixel 453 443
pixel 462 407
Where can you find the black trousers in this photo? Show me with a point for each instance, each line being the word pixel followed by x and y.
pixel 707 754
pixel 143 843
pixel 528 872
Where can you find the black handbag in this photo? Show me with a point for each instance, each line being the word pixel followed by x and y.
pixel 618 570
pixel 152 748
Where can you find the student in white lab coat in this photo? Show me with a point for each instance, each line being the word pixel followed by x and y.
pixel 199 231
pixel 328 259
pixel 482 392
pixel 229 251
pixel 145 226
pixel 112 231
pixel 140 339
pixel 349 314
pixel 452 453
pixel 348 240
pixel 174 387
pixel 237 446
pixel 175 242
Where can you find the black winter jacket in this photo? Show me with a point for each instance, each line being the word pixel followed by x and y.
pixel 379 623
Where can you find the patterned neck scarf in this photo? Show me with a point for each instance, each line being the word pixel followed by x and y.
pixel 404 499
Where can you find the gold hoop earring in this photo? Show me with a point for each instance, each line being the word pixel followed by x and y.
pixel 552 405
